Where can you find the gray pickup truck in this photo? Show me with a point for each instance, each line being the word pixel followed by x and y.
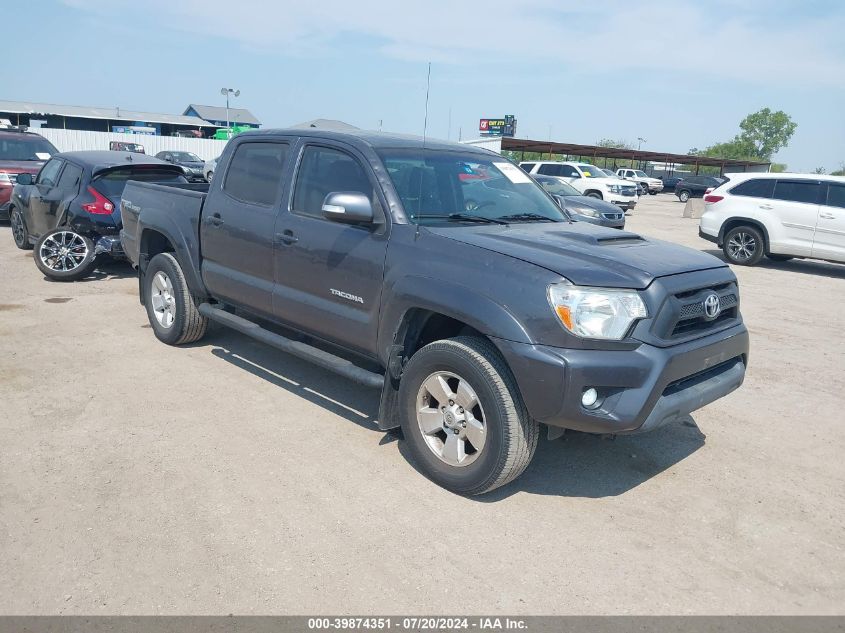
pixel 446 277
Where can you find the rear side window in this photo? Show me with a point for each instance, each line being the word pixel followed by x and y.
pixel 797 191
pixel 755 188
pixel 836 196
pixel 112 183
pixel 255 172
pixel 324 170
pixel 527 167
pixel 69 180
pixel 565 171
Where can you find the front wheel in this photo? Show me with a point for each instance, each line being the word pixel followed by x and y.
pixel 652 193
pixel 463 416
pixel 743 245
pixel 19 232
pixel 683 195
pixel 65 255
pixel 171 308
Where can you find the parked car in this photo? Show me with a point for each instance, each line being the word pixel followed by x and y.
pixel 589 180
pixel 669 183
pixel 209 167
pixel 21 152
pixel 477 321
pixel 192 164
pixel 780 216
pixel 581 207
pixel 70 211
pixel 696 186
pixel 123 146
pixel 648 184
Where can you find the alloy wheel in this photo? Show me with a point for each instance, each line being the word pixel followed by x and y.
pixel 164 304
pixel 742 246
pixel 63 251
pixel 451 419
pixel 18 230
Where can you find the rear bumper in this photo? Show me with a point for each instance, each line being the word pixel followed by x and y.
pixel 707 236
pixel 639 389
pixel 110 245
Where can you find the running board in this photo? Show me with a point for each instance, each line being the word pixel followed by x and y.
pixel 324 359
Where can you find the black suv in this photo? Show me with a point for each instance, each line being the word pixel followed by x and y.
pixel 695 186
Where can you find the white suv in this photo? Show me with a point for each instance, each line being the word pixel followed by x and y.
pixel 589 180
pixel 652 185
pixel 780 216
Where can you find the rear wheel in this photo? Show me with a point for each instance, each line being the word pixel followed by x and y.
pixel 19 232
pixel 171 308
pixel 64 255
pixel 683 195
pixel 652 193
pixel 463 417
pixel 743 245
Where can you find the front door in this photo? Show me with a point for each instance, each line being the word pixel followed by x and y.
pixel 43 197
pixel 329 275
pixel 237 225
pixel 829 241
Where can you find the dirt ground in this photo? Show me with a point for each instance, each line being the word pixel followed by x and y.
pixel 228 478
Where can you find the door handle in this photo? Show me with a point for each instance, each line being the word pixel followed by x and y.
pixel 766 206
pixel 827 216
pixel 216 220
pixel 287 237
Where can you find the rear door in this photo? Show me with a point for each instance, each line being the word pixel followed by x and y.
pixel 44 194
pixel 66 190
pixel 238 218
pixel 795 208
pixel 829 239
pixel 329 275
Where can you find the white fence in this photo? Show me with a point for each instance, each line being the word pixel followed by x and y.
pixel 75 140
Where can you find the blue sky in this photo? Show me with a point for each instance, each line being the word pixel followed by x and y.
pixel 678 73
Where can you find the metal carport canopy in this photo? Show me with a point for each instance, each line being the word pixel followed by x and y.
pixel 597 151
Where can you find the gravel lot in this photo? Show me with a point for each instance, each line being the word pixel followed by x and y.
pixel 228 478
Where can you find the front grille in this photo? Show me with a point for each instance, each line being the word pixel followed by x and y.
pixel 682 315
pixel 612 216
pixel 629 191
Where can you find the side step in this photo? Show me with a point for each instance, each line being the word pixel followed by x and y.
pixel 310 353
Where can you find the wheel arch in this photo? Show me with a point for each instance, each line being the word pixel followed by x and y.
pixel 157 240
pixel 734 222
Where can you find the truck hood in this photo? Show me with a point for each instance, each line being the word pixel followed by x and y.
pixel 21 166
pixel 585 254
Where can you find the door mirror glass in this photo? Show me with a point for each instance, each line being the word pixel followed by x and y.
pixel 349 207
pixel 24 179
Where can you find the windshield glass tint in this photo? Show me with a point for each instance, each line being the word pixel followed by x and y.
pixel 590 171
pixel 111 183
pixel 186 157
pixel 24 147
pixel 441 183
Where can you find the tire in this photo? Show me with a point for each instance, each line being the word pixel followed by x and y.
pixel 652 193
pixel 683 195
pixel 779 258
pixel 171 308
pixel 594 194
pixel 64 255
pixel 744 245
pixel 19 231
pixel 468 369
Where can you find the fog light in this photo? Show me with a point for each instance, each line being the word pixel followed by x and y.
pixel 589 398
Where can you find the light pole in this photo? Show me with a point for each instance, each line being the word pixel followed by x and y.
pixel 227 92
pixel 641 141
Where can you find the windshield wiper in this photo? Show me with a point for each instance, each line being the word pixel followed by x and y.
pixel 461 217
pixel 518 217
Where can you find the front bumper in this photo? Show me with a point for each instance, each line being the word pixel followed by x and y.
pixel 655 187
pixel 5 197
pixel 640 388
pixel 4 211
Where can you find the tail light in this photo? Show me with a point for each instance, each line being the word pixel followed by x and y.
pixel 711 198
pixel 101 204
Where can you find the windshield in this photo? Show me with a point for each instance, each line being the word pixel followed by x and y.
pixel 186 157
pixel 25 147
pixel 591 171
pixel 111 183
pixel 640 174
pixel 558 187
pixel 609 173
pixel 434 184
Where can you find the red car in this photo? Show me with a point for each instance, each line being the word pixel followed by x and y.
pixel 21 152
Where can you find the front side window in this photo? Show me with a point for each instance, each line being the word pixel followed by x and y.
pixel 755 188
pixel 255 172
pixel 49 174
pixel 551 170
pixel 805 191
pixel 836 196
pixel 640 174
pixel 527 167
pixel 438 187
pixel 325 170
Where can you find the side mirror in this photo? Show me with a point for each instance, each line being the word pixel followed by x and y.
pixel 559 200
pixel 349 207
pixel 24 179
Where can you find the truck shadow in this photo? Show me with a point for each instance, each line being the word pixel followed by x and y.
pixel 578 465
pixel 813 267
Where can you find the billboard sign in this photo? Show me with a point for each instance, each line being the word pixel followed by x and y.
pixel 498 127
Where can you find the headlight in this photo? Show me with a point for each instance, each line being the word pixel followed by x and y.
pixel 603 313
pixel 584 211
pixel 614 188
pixel 5 179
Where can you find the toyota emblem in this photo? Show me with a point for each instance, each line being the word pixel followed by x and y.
pixel 712 306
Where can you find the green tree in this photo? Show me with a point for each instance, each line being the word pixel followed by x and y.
pixel 777 168
pixel 840 171
pixel 819 170
pixel 609 142
pixel 766 132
